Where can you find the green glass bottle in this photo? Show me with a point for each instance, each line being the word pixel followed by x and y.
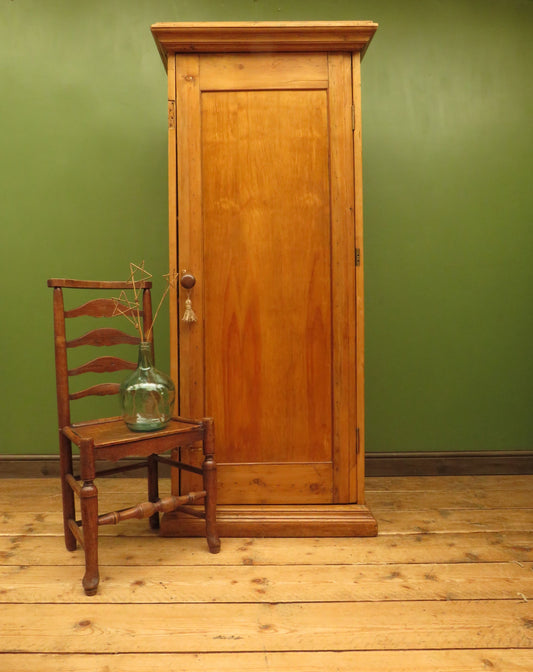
pixel 147 396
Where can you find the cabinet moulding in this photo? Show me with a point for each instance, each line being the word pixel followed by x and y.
pixel 262 36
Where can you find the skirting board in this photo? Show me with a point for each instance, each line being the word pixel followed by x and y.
pixel 475 463
pixel 376 464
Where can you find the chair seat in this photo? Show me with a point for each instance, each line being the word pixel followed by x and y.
pixel 110 432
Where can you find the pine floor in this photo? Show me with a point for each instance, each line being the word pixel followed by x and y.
pixel 447 586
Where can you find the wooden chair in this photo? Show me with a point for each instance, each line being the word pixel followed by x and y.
pixel 110 439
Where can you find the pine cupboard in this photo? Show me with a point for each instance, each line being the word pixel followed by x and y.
pixel 265 203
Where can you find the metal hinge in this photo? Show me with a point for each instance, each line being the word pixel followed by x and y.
pixel 171 114
pixel 357 256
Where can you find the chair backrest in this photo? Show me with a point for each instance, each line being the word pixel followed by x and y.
pixel 101 307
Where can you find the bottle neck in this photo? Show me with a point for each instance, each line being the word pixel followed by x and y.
pixel 146 360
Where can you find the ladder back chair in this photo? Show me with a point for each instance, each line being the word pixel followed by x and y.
pixel 110 439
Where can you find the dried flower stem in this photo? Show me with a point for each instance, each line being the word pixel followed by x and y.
pixel 131 308
pixel 149 334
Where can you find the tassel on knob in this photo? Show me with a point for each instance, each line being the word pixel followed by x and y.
pixel 189 315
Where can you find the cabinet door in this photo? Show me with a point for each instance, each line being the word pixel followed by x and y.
pixel 266 224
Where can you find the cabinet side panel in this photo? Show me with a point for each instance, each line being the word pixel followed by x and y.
pixel 359 274
pixel 343 275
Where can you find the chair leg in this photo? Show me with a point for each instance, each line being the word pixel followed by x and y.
pixel 69 508
pixel 153 489
pixel 209 470
pixel 89 520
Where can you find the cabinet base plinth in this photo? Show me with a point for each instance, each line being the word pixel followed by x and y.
pixel 245 520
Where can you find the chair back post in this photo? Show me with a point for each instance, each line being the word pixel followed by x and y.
pixel 61 364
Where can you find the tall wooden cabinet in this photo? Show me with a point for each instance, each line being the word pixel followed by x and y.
pixel 266 214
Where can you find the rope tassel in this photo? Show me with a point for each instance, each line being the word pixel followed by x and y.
pixel 189 315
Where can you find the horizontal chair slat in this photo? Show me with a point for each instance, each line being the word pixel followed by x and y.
pixel 97 284
pixel 103 365
pixel 96 390
pixel 104 337
pixel 102 308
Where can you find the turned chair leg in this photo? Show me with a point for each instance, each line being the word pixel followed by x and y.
pixel 209 470
pixel 89 520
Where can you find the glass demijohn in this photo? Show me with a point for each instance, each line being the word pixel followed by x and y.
pixel 147 396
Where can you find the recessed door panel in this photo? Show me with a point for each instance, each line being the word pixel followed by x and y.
pixel 267 279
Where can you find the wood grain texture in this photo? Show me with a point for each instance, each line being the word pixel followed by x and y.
pixel 266 171
pixel 274 520
pixel 257 71
pixel 173 221
pixel 101 308
pixel 459 492
pixel 297 583
pixel 266 308
pixel 266 224
pixel 189 254
pixel 96 390
pixel 496 660
pixel 392 524
pixel 341 158
pixel 270 36
pixel 96 284
pixel 359 274
pixel 260 483
pixel 513 547
pixel 451 597
pixel 103 365
pixel 101 337
pixel 331 626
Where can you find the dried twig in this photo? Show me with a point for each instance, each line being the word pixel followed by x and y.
pixel 130 308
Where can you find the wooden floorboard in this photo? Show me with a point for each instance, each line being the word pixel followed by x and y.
pixel 467 660
pixel 447 586
pixel 297 583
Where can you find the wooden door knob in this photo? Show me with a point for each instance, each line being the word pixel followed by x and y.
pixel 187 280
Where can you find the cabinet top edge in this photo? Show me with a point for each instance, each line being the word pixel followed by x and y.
pixel 262 36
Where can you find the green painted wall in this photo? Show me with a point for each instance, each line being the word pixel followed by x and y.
pixel 447 108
